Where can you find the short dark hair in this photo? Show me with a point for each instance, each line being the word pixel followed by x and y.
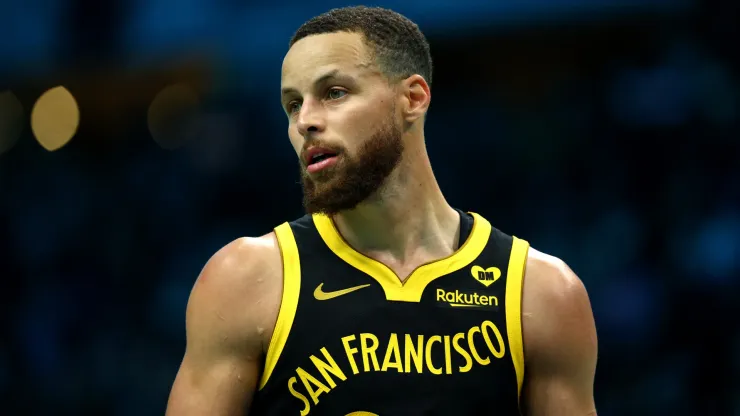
pixel 397 44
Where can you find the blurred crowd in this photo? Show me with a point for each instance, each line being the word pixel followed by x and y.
pixel 616 148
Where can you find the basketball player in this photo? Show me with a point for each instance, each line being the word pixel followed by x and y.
pixel 383 300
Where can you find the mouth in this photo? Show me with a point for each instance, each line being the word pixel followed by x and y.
pixel 318 159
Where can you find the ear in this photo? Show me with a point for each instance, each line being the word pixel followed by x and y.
pixel 416 98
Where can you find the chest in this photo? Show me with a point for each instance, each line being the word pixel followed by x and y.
pixel 341 301
pixel 351 346
pixel 354 337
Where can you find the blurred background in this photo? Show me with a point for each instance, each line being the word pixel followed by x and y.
pixel 139 136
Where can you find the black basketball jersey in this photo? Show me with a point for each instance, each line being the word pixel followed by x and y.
pixel 352 339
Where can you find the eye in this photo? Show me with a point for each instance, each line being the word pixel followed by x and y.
pixel 293 107
pixel 335 94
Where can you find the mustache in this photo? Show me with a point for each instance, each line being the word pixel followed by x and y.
pixel 310 142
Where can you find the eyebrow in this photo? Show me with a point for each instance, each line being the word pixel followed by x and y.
pixel 334 73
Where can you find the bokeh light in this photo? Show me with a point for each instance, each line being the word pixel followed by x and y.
pixel 55 118
pixel 11 120
pixel 173 115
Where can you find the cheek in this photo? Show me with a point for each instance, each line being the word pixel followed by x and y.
pixel 296 140
pixel 356 125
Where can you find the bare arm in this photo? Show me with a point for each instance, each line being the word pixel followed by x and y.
pixel 229 309
pixel 560 345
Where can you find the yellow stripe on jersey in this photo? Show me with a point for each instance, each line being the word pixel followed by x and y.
pixel 514 280
pixel 412 289
pixel 289 302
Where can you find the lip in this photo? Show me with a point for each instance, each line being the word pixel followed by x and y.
pixel 313 151
pixel 317 167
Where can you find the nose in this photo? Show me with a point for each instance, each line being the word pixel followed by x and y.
pixel 311 119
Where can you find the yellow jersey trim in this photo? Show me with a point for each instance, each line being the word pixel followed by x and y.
pixel 514 284
pixel 412 289
pixel 289 301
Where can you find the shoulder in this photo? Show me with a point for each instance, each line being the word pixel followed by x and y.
pixel 239 262
pixel 550 280
pixel 238 291
pixel 556 311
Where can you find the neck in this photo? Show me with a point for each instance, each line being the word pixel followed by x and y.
pixel 407 219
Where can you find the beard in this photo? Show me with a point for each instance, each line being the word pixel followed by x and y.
pixel 354 178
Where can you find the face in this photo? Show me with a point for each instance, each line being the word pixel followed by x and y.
pixel 343 122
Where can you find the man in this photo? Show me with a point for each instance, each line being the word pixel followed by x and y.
pixel 384 299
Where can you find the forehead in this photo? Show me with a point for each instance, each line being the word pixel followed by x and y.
pixel 317 54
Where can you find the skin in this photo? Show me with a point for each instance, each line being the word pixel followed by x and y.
pixel 234 304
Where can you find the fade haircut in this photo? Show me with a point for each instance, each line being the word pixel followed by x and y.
pixel 396 43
